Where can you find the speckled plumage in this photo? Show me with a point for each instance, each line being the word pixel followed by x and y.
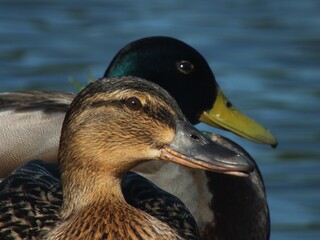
pixel 144 195
pixel 30 199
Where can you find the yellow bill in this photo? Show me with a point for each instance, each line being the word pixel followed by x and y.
pixel 225 116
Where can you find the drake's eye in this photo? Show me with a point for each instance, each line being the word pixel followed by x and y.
pixel 185 67
pixel 133 103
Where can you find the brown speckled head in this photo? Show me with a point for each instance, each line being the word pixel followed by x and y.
pixel 124 117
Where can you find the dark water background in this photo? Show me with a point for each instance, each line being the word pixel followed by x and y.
pixel 265 55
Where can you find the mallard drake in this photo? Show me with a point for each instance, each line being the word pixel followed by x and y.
pixel 111 126
pixel 171 63
pixel 181 70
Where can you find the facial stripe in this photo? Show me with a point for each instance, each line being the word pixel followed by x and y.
pixel 160 113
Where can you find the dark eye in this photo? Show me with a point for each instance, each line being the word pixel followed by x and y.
pixel 185 67
pixel 133 103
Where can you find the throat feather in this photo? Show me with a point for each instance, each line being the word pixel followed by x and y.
pixel 109 220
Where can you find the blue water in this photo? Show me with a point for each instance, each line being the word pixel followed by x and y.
pixel 265 55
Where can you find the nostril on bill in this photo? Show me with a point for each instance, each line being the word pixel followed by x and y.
pixel 195 137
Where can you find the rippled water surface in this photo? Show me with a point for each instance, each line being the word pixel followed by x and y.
pixel 265 55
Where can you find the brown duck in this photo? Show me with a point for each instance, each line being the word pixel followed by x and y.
pixel 112 126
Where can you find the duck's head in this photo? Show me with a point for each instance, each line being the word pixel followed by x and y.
pixel 186 75
pixel 114 124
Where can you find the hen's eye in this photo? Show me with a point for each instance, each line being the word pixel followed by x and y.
pixel 133 103
pixel 185 67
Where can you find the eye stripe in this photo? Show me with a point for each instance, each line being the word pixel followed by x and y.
pixel 98 104
pixel 160 114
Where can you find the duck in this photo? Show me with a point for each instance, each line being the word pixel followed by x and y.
pixel 34 191
pixel 186 75
pixel 111 126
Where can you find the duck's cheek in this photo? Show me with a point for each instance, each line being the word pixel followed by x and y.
pixel 165 135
